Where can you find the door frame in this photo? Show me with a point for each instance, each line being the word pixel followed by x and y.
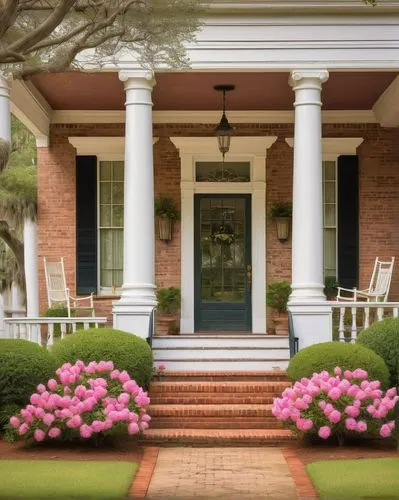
pixel 197 250
pixel 254 150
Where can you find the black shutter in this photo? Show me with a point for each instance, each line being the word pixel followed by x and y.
pixel 348 221
pixel 86 224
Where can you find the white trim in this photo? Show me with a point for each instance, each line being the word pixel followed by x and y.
pixel 253 149
pixel 332 147
pixel 105 148
pixel 386 109
pixel 176 116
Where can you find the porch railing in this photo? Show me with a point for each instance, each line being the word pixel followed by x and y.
pixel 349 318
pixel 44 330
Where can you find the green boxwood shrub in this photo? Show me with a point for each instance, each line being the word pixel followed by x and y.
pixel 23 365
pixel 328 355
pixel 56 312
pixel 383 338
pixel 127 351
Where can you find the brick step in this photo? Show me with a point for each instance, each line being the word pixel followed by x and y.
pixel 179 387
pixel 194 422
pixel 215 410
pixel 196 398
pixel 194 376
pixel 217 437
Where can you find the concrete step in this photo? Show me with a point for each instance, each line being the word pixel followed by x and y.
pixel 216 376
pixel 220 341
pixel 217 437
pixel 220 353
pixel 263 388
pixel 222 364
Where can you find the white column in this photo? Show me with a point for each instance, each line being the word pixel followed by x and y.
pixel 5 115
pixel 132 312
pixel 307 223
pixel 31 268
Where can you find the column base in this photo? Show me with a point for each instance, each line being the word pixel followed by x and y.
pixel 307 292
pixel 312 322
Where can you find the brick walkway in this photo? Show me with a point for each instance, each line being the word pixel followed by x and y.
pixel 223 473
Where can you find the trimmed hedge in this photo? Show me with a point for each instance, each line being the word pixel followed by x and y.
pixel 328 355
pixel 23 365
pixel 383 338
pixel 127 351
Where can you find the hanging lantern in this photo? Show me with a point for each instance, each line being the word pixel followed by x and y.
pixel 224 130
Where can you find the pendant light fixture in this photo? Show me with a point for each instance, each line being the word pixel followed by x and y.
pixel 224 130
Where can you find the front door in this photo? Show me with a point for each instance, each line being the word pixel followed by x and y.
pixel 222 259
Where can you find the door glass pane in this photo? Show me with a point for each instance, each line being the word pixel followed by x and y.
pixel 330 252
pixel 105 215
pixel 223 272
pixel 215 171
pixel 105 192
pixel 118 170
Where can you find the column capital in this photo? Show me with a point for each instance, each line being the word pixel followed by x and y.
pixel 143 78
pixel 303 78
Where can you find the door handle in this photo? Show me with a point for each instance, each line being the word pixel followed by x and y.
pixel 249 276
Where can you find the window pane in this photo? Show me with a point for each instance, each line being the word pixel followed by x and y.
pixel 330 252
pixel 105 215
pixel 111 249
pixel 329 215
pixel 105 192
pixel 215 171
pixel 117 216
pixel 329 170
pixel 329 192
pixel 117 193
pixel 105 170
pixel 118 171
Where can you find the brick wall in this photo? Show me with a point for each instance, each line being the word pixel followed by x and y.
pixel 379 201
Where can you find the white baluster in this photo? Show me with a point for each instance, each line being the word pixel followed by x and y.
pixel 50 337
pixel 380 314
pixel 395 312
pixel 341 328
pixel 354 324
pixel 39 334
pixel 366 317
pixel 73 327
pixel 29 331
pixel 86 325
pixel 63 330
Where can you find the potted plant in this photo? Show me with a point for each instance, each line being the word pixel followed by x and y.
pixel 277 299
pixel 169 300
pixel 330 287
pixel 281 213
pixel 167 212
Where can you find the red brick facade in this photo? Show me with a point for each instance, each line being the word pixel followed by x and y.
pixel 379 200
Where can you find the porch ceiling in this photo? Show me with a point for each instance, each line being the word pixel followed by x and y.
pixel 194 91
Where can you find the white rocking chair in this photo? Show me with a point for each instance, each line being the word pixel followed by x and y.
pixel 379 284
pixel 58 293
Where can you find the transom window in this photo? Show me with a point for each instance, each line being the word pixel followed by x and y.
pixel 330 217
pixel 218 171
pixel 111 224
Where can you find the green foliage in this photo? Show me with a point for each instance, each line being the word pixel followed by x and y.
pixel 330 286
pixel 328 355
pixel 56 312
pixel 165 207
pixel 278 294
pixel 383 338
pixel 280 209
pixel 169 299
pixel 23 365
pixel 127 351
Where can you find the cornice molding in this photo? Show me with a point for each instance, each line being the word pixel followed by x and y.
pixel 332 147
pixel 255 146
pixel 100 146
pixel 256 116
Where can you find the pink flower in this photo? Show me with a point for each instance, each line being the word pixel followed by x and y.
pixel 161 367
pixel 15 422
pixel 361 426
pixel 348 374
pixel 85 431
pixel 97 426
pixel 124 398
pixel 143 425
pixel 115 374
pixel 52 384
pixel 133 417
pixel 352 411
pixel 324 432
pixel 334 393
pixel 23 429
pixel 133 428
pixel 41 388
pixel 35 399
pixel 131 386
pixel 124 376
pixel 39 435
pixel 338 371
pixel 74 422
pixel 100 392
pixel 391 393
pixel 385 431
pixel 48 419
pixel 80 391
pixel 102 367
pixel 360 373
pixel 145 418
pixel 351 424
pixel 334 417
pixel 54 432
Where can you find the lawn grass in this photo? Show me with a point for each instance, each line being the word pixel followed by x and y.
pixel 63 479
pixel 369 478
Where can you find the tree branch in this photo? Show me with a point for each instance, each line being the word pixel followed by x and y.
pixel 16 246
pixel 8 14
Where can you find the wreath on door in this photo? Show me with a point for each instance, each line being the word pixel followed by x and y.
pixel 223 235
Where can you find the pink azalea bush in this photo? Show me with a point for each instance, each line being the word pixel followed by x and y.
pixel 343 403
pixel 87 401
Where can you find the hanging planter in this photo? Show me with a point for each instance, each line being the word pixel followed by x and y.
pixel 281 213
pixel 166 211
